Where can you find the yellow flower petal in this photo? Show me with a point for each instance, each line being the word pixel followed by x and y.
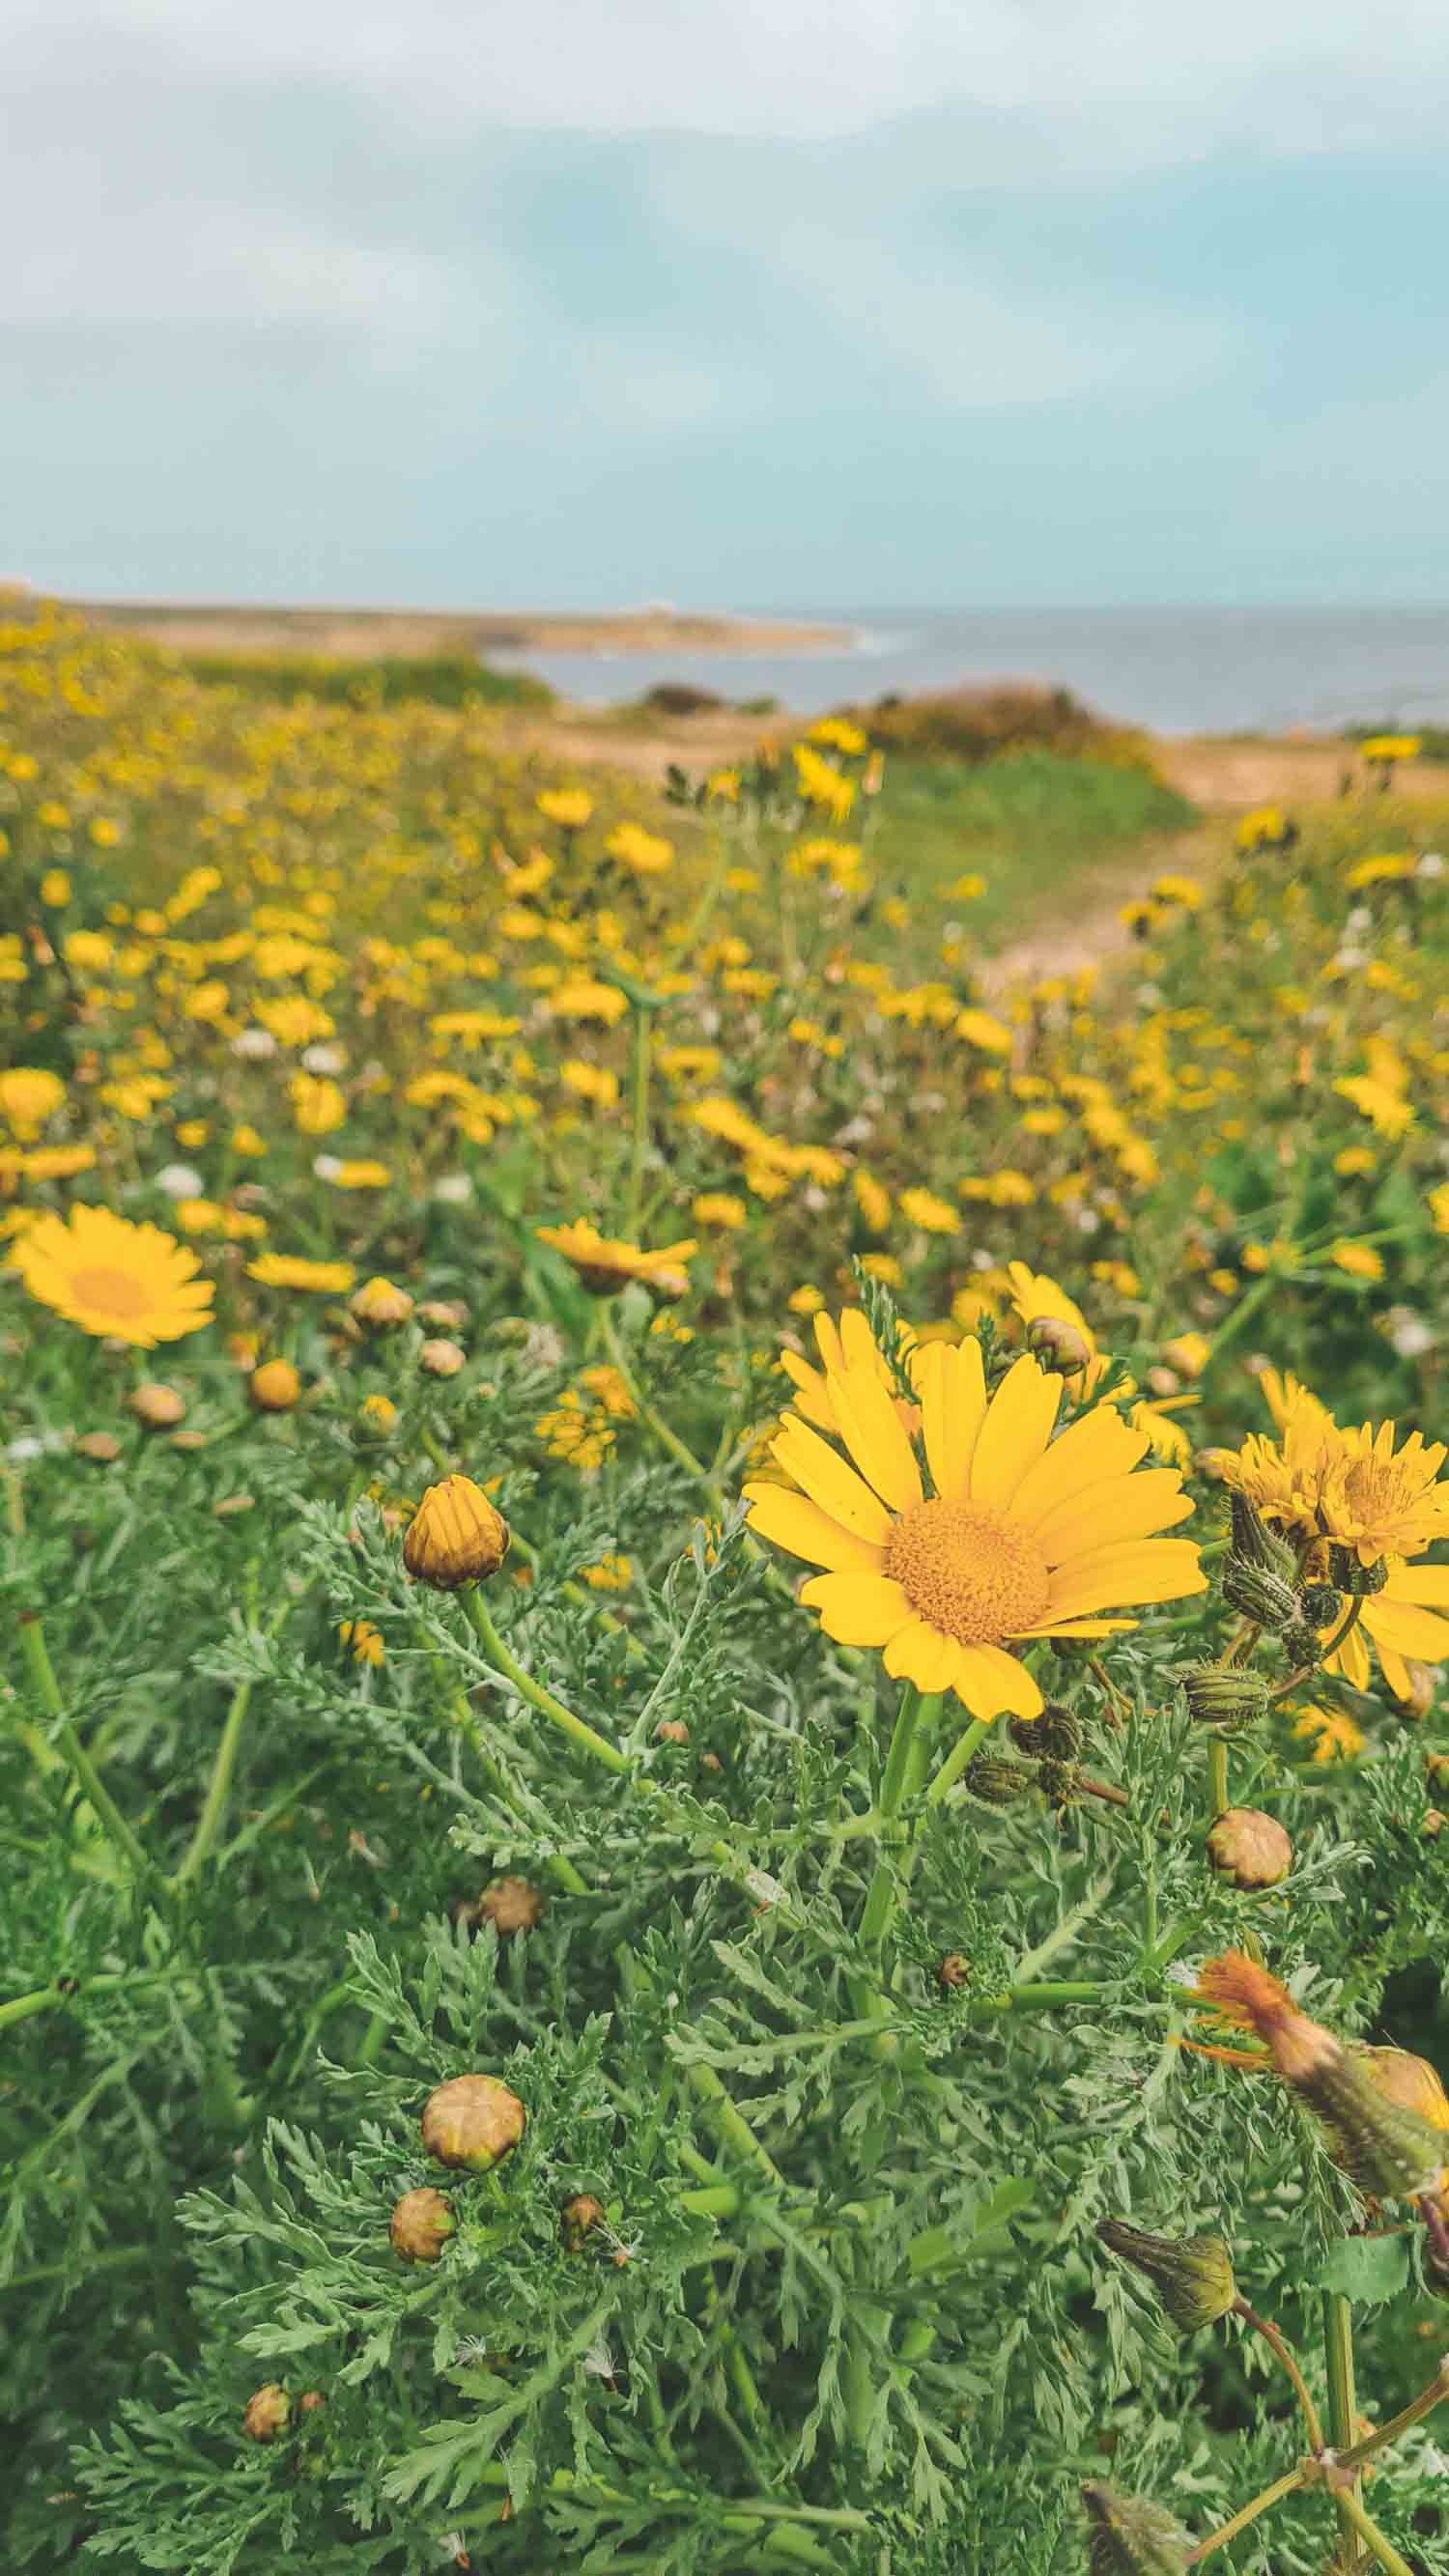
pixel 807 1531
pixel 952 1386
pixel 1122 1508
pixel 1096 1450
pixel 1017 1427
pixel 991 1681
pixel 871 1428
pixel 1128 1570
pixel 1407 1630
pixel 1425 1585
pixel 823 1474
pixel 857 1609
pixel 919 1653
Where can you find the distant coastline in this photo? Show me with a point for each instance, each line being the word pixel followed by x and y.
pixel 357 634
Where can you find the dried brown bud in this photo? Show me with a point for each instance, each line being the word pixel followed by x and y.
pixel 442 1359
pixel 671 1730
pixel 274 1387
pixel 472 2121
pixel 953 1971
pixel 421 2224
pixel 158 1406
pixel 1433 1823
pixel 311 2402
pixel 1250 1848
pixel 268 2413
pixel 577 2217
pixel 509 1904
pixel 455 1536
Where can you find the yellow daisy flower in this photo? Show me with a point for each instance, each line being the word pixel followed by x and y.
pixel 1009 1536
pixel 604 1263
pixel 113 1278
pixel 287 1270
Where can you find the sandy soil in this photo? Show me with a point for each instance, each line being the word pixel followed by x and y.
pixel 354 634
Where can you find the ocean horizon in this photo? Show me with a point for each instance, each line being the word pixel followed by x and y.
pixel 1175 670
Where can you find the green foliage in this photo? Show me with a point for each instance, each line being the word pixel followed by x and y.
pixel 385 680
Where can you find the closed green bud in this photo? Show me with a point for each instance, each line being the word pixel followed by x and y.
pixel 1131 2537
pixel 1224 1694
pixel 1193 2275
pixel 1259 1594
pixel 1056 1735
pixel 1058 1781
pixel 997 1783
pixel 1301 1644
pixel 1319 1604
pixel 1253 1543
pixel 1348 1575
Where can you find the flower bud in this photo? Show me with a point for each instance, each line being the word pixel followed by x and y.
pixel 311 2402
pixel 1259 1594
pixel 997 1783
pixel 509 1904
pixel 1390 2152
pixel 1193 2275
pixel 1347 1573
pixel 274 1387
pixel 455 1536
pixel 159 1407
pixel 268 2413
pixel 1319 1604
pixel 1249 1848
pixel 442 1359
pixel 671 1730
pixel 473 2121
pixel 1301 1644
pixel 953 1972
pixel 377 1301
pixel 421 2224
pixel 101 1446
pixel 1131 2537
pixel 577 2217
pixel 1224 1694
pixel 1056 1734
pixel 1213 1464
pixel 1253 1543
pixel 1061 1347
pixel 1423 1682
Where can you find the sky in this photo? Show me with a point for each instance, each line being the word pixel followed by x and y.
pixel 742 303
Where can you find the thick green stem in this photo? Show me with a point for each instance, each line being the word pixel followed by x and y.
pixel 41 1673
pixel 1365 2529
pixel 1217 1777
pixel 1342 2396
pixel 1219 2539
pixel 586 1737
pixel 956 1760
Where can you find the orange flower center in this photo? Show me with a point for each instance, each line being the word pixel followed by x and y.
pixel 110 1292
pixel 970 1571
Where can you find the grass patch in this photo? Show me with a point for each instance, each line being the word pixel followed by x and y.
pixel 1034 823
pixel 389 680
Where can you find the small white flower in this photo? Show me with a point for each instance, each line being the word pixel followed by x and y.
pixel 1432 864
pixel 255 1045
pixel 1408 1332
pixel 763 1888
pixel 179 1181
pixel 599 2359
pixel 454 1189
pixel 26 1448
pixel 1359 920
pixel 326 1166
pixel 324 1059
pixel 1149 995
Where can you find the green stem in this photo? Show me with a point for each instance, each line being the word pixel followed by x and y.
pixel 881 1898
pixel 730 2123
pixel 1217 1777
pixel 1342 2397
pixel 537 1697
pixel 41 1673
pixel 956 1760
pixel 208 1823
pixel 1367 2530
pixel 1342 1633
pixel 1278 2345
pixel 653 1421
pixel 639 1145
pixel 1274 2494
pixel 1418 2407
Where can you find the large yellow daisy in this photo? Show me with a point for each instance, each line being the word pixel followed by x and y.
pixel 950 1546
pixel 130 1282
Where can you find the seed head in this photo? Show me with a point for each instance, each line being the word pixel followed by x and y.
pixel 510 1905
pixel 1254 1543
pixel 997 1783
pixel 954 1971
pixel 455 1536
pixel 1224 1694
pixel 1259 1594
pixel 159 1407
pixel 1056 1735
pixel 1060 1346
pixel 421 2224
pixel 442 1358
pixel 1193 2275
pixel 1347 1574
pixel 472 2121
